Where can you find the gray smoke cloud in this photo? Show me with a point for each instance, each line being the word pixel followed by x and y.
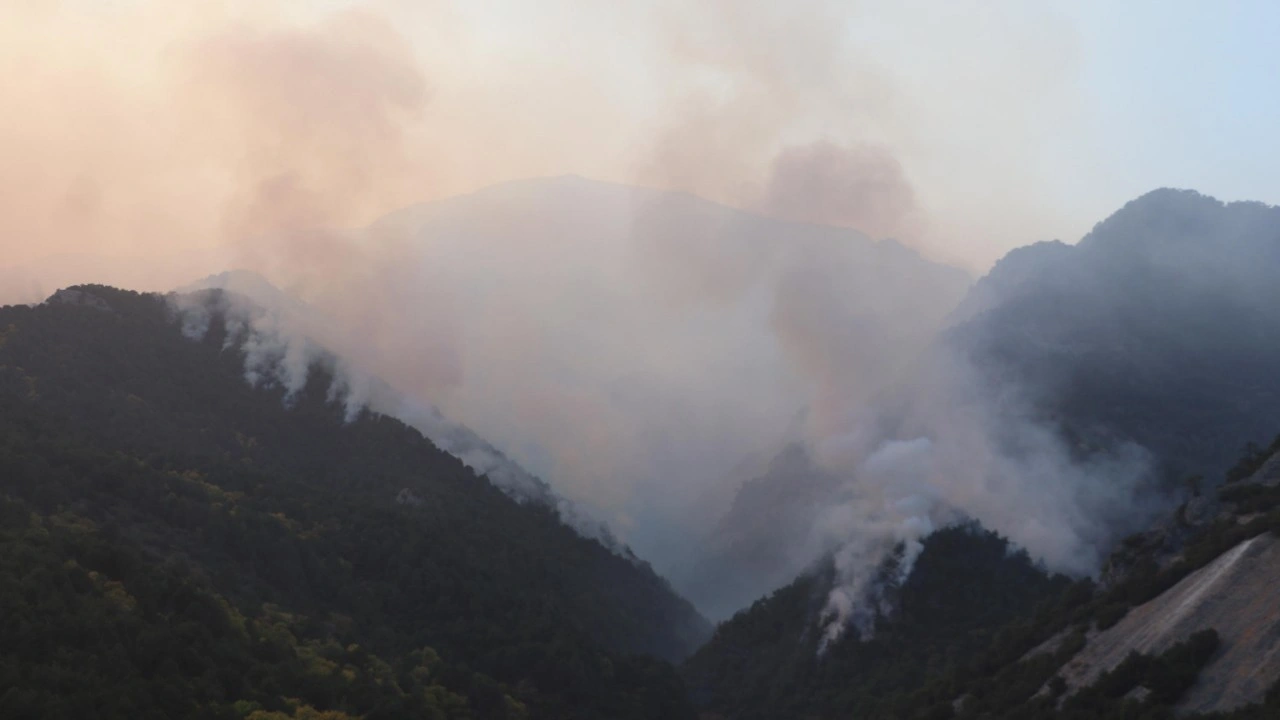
pixel 283 339
pixel 632 346
pixel 966 448
pixel 550 284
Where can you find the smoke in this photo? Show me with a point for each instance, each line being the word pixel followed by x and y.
pixel 631 345
pixel 974 449
pixel 282 340
pixel 750 88
pixel 151 142
pixel 862 187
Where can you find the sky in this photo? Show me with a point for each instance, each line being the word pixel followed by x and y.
pixel 1092 103
pixel 968 127
pixel 1178 96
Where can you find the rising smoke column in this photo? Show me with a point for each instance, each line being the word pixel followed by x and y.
pixel 968 447
pixel 282 340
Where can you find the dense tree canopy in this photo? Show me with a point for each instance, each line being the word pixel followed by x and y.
pixel 177 543
pixel 978 631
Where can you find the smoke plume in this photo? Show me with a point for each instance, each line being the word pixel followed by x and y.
pixel 966 448
pixel 861 187
pixel 630 345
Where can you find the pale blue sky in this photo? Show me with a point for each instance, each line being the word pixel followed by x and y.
pixel 1186 93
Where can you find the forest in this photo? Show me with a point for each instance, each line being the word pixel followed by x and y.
pixel 178 543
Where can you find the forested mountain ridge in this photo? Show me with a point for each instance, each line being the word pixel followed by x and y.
pixel 1161 326
pixel 1182 620
pixel 683 334
pixel 179 543
pixel 768 660
pixel 1160 329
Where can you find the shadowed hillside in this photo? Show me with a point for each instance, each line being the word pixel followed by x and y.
pixel 179 543
pixel 1183 620
pixel 1162 326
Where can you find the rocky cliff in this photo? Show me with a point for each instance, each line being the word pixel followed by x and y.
pixel 1237 595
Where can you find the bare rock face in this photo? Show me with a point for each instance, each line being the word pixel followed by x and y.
pixel 1237 595
pixel 1166 540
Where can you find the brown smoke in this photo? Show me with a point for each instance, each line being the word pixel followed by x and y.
pixel 313 124
pixel 862 187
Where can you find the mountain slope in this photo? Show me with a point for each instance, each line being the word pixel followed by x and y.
pixel 1212 566
pixel 761 540
pixel 275 319
pixel 768 662
pixel 678 335
pixel 1185 619
pixel 1162 326
pixel 151 454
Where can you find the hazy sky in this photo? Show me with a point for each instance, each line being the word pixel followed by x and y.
pixel 1178 97
pixel 1089 102
pixel 964 127
pixel 1067 109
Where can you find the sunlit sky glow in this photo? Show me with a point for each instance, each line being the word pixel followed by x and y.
pixel 1012 121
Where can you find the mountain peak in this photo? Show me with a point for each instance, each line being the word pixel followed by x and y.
pixel 1170 217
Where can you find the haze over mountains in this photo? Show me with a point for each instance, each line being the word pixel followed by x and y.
pixel 746 403
pixel 647 353
pixel 1152 343
pixel 633 347
pixel 226 542
pixel 717 360
pixel 1160 324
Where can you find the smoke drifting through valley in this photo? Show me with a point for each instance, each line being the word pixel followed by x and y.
pixel 283 340
pixel 631 346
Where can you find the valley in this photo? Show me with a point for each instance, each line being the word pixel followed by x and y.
pixel 215 505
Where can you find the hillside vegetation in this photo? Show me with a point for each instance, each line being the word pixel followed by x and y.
pixel 177 543
pixel 978 632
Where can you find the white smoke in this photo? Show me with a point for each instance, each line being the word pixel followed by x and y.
pixel 282 339
pixel 620 370
pixel 888 508
pixel 976 453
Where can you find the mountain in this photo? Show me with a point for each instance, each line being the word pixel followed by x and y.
pixel 768 660
pixel 1184 620
pixel 677 335
pixel 1161 326
pixel 276 319
pixel 205 511
pixel 1159 330
pixel 762 539
pixel 179 542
